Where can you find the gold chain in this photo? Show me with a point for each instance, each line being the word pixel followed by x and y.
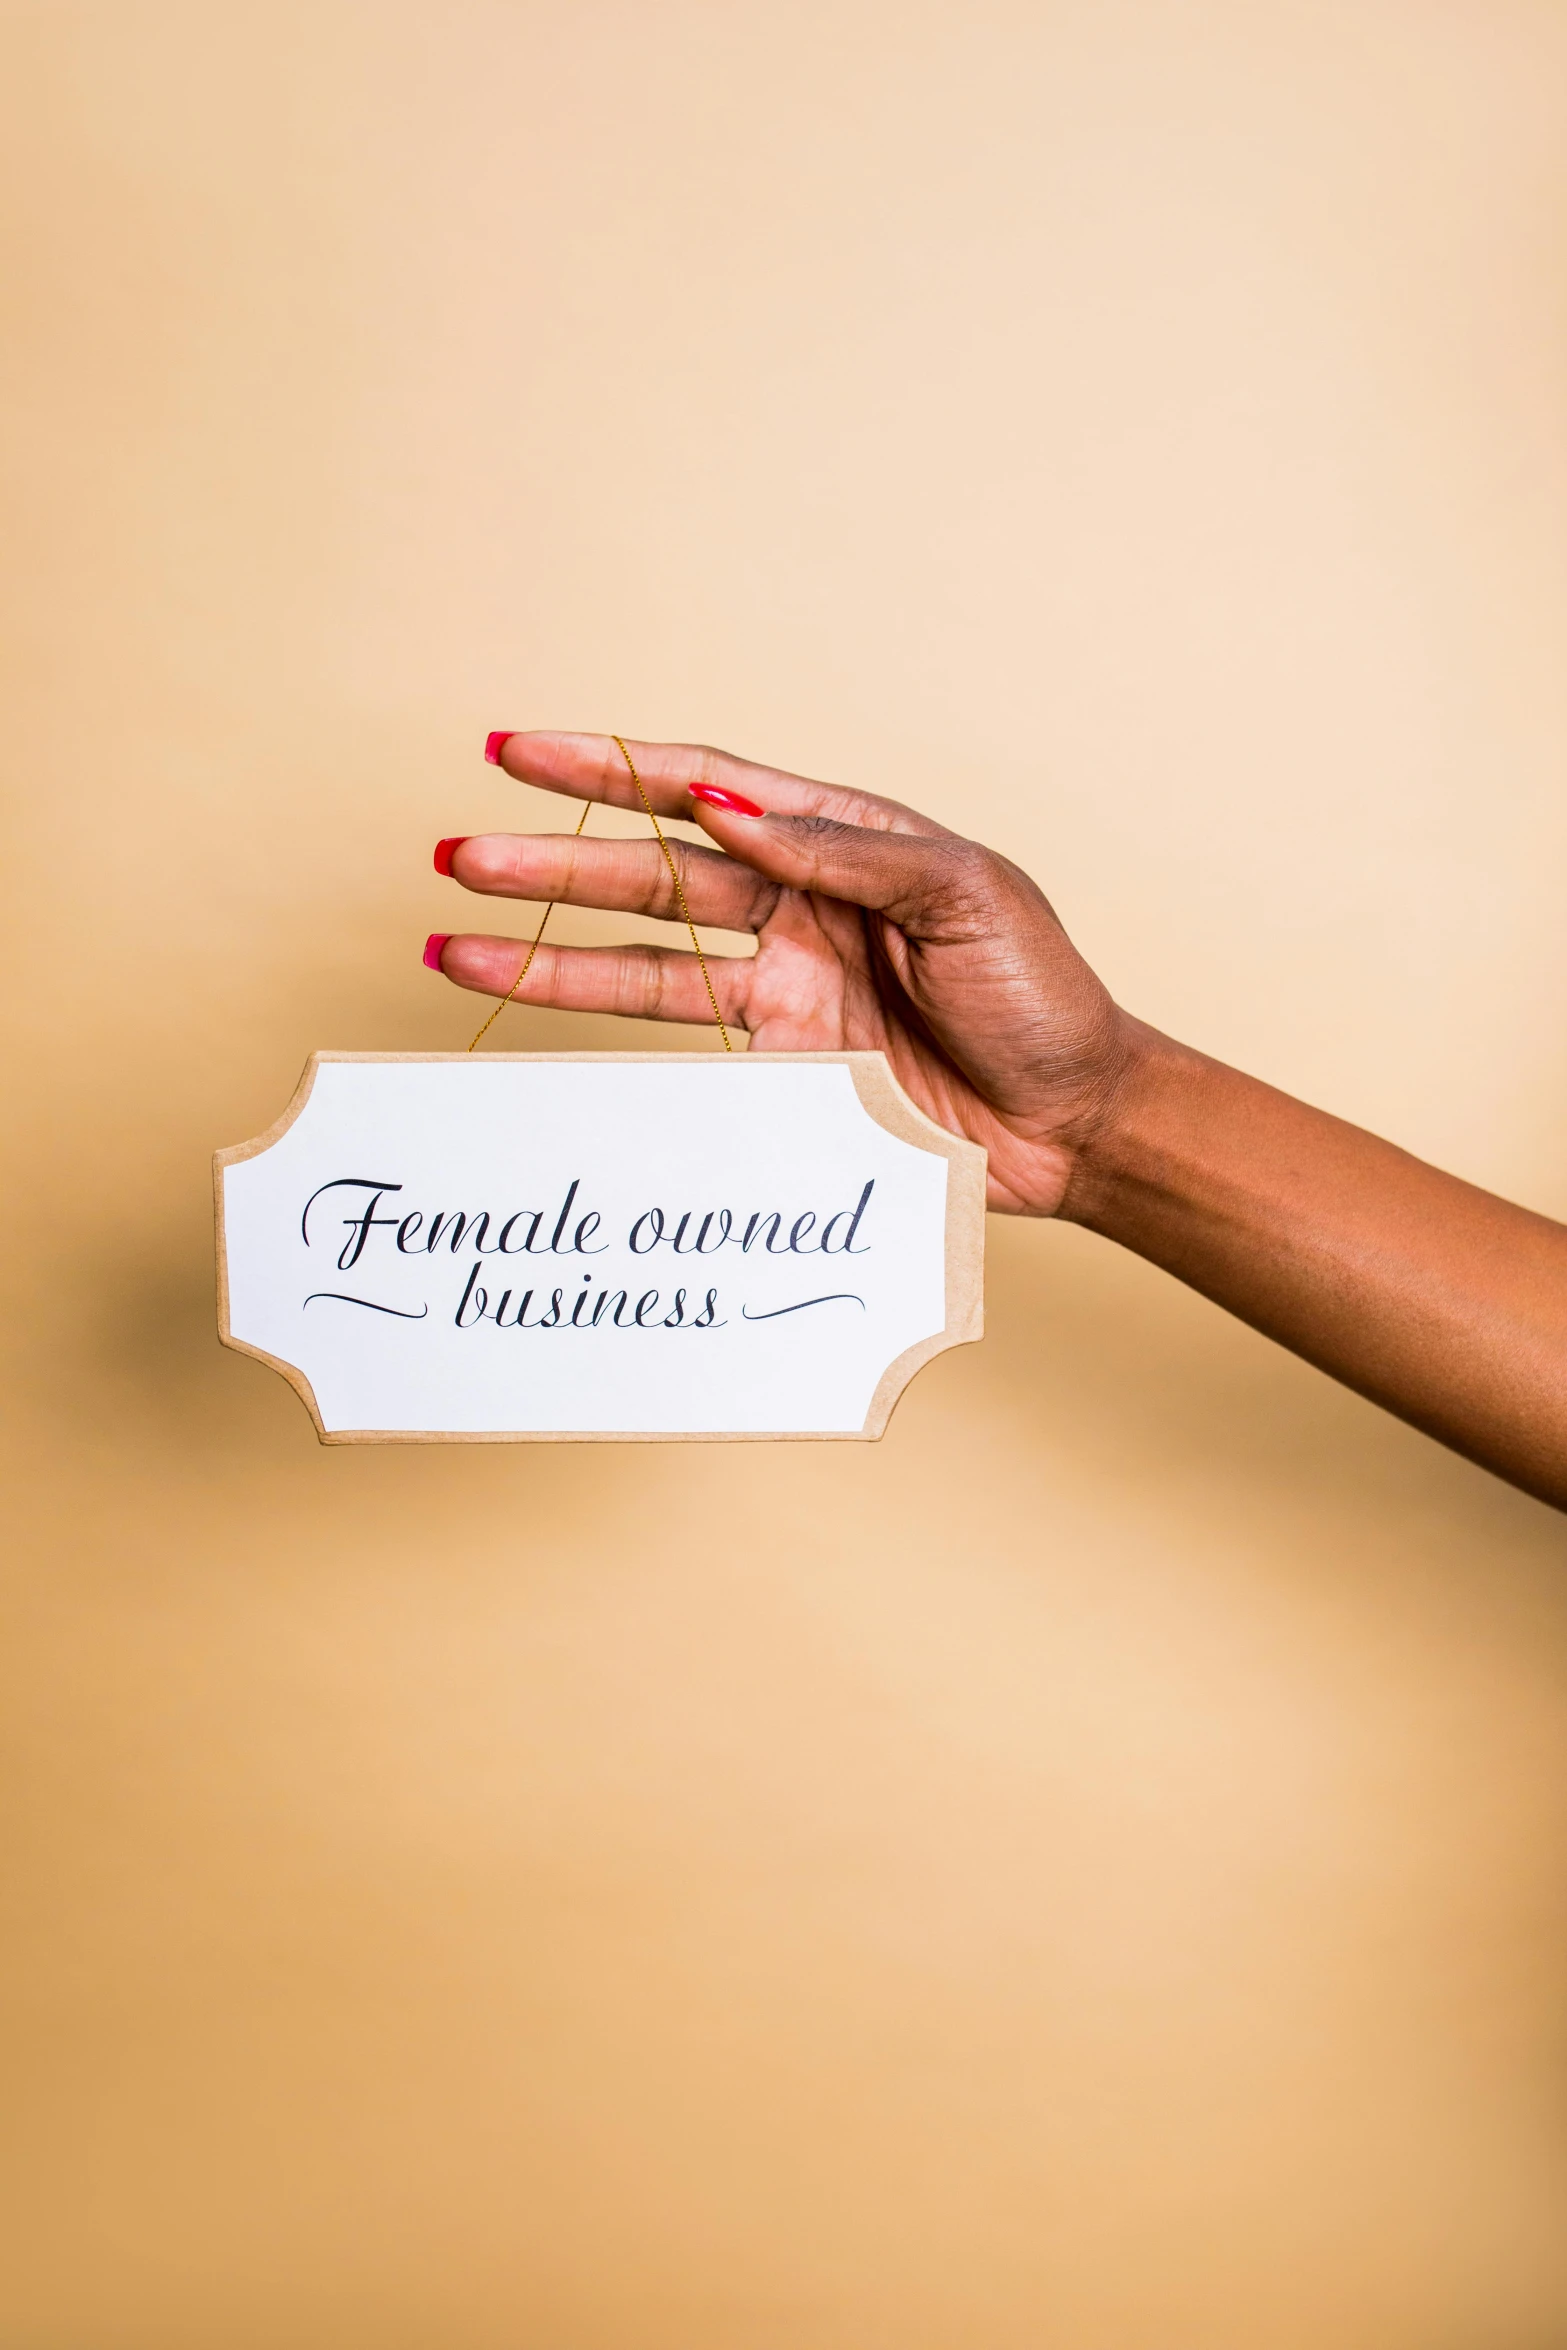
pixel 527 960
pixel 680 900
pixel 680 895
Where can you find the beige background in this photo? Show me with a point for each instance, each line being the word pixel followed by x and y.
pixel 1088 1871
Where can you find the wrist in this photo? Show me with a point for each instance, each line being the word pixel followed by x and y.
pixel 1133 1144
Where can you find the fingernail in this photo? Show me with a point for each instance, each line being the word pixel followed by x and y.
pixel 494 744
pixel 432 949
pixel 733 803
pixel 444 852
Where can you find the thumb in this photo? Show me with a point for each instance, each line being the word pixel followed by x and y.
pixel 912 878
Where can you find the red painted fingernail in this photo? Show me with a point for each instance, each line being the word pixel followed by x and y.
pixel 733 803
pixel 432 949
pixel 494 744
pixel 444 852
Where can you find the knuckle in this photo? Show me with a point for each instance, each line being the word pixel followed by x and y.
pixel 953 888
pixel 641 981
pixel 657 982
pixel 708 762
pixel 822 832
pixel 670 870
pixel 762 902
pixel 969 860
pixel 966 871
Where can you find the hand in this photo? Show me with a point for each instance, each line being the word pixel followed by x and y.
pixel 876 929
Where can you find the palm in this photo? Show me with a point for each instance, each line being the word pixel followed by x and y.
pixel 831 977
pixel 813 987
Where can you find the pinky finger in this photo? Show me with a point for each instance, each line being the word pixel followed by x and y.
pixel 638 982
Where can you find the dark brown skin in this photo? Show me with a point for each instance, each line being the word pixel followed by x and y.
pixel 880 931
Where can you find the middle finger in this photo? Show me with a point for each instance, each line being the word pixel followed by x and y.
pixel 620 876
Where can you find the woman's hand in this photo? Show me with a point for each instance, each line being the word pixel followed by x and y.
pixel 876 931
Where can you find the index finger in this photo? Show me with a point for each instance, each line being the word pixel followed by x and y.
pixel 590 767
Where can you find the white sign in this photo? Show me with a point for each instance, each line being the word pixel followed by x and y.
pixel 448 1246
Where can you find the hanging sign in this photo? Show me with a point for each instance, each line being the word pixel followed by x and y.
pixel 451 1248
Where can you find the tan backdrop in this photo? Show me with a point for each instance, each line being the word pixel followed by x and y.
pixel 1088 1872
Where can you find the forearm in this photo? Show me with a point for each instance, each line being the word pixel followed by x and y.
pixel 1435 1299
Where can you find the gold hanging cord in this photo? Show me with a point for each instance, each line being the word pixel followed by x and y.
pixel 680 900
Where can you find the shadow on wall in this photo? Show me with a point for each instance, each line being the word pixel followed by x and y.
pixel 127 1323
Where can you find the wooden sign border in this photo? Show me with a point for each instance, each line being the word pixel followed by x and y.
pixel 884 1100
